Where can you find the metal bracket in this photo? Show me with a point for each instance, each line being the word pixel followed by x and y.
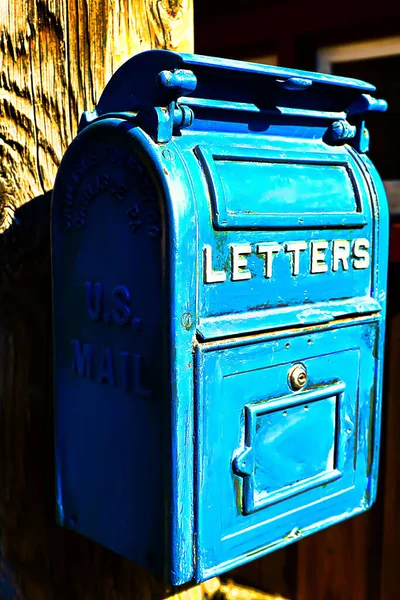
pixel 243 463
pixel 343 131
pixel 160 122
pixel 295 84
pixel 365 103
pixel 340 131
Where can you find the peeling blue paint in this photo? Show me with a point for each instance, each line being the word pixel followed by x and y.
pixel 216 228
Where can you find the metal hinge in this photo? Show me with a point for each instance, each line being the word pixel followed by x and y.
pixel 160 122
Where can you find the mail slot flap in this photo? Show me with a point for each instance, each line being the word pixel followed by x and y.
pixel 268 189
pixel 288 235
pixel 136 85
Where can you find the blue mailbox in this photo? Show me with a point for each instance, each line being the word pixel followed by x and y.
pixel 220 245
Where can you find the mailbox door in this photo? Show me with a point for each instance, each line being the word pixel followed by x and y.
pixel 276 463
pixel 274 203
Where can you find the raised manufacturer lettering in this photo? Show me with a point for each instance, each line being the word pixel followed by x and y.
pixel 107 373
pixel 82 359
pixel 94 300
pixel 269 250
pixel 295 248
pixel 121 310
pixel 211 276
pixel 100 364
pixel 134 219
pixel 116 309
pixel 93 158
pixel 120 191
pixel 361 254
pixel 88 194
pixel 79 170
pixel 318 264
pixel 91 176
pixel 239 263
pixel 69 195
pixel 319 255
pixel 340 254
pixel 103 181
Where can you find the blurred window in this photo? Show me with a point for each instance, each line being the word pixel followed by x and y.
pixel 378 62
pixel 268 59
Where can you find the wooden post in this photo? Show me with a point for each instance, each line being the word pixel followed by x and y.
pixel 341 562
pixel 55 58
pixel 390 469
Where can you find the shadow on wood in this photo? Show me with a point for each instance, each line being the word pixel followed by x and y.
pixel 45 561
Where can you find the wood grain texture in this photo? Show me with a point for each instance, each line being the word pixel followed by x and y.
pixel 341 562
pixel 274 573
pixel 55 58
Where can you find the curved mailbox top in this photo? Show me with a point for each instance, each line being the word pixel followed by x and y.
pixel 217 225
pixel 269 170
pixel 155 84
pixel 136 83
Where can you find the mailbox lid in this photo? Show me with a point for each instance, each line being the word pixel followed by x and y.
pixel 211 82
pixel 275 464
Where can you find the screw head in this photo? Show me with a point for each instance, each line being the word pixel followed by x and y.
pixel 168 154
pixel 187 320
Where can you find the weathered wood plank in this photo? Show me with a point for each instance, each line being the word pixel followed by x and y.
pixel 341 562
pixel 55 58
pixel 274 573
pixel 391 524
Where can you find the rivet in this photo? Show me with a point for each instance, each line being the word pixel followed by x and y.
pixel 187 320
pixel 168 154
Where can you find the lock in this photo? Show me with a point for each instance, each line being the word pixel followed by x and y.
pixel 215 247
pixel 297 377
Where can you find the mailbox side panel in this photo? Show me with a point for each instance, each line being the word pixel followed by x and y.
pixel 381 221
pixel 111 385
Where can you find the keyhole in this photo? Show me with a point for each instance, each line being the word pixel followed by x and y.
pixel 297 377
pixel 302 379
